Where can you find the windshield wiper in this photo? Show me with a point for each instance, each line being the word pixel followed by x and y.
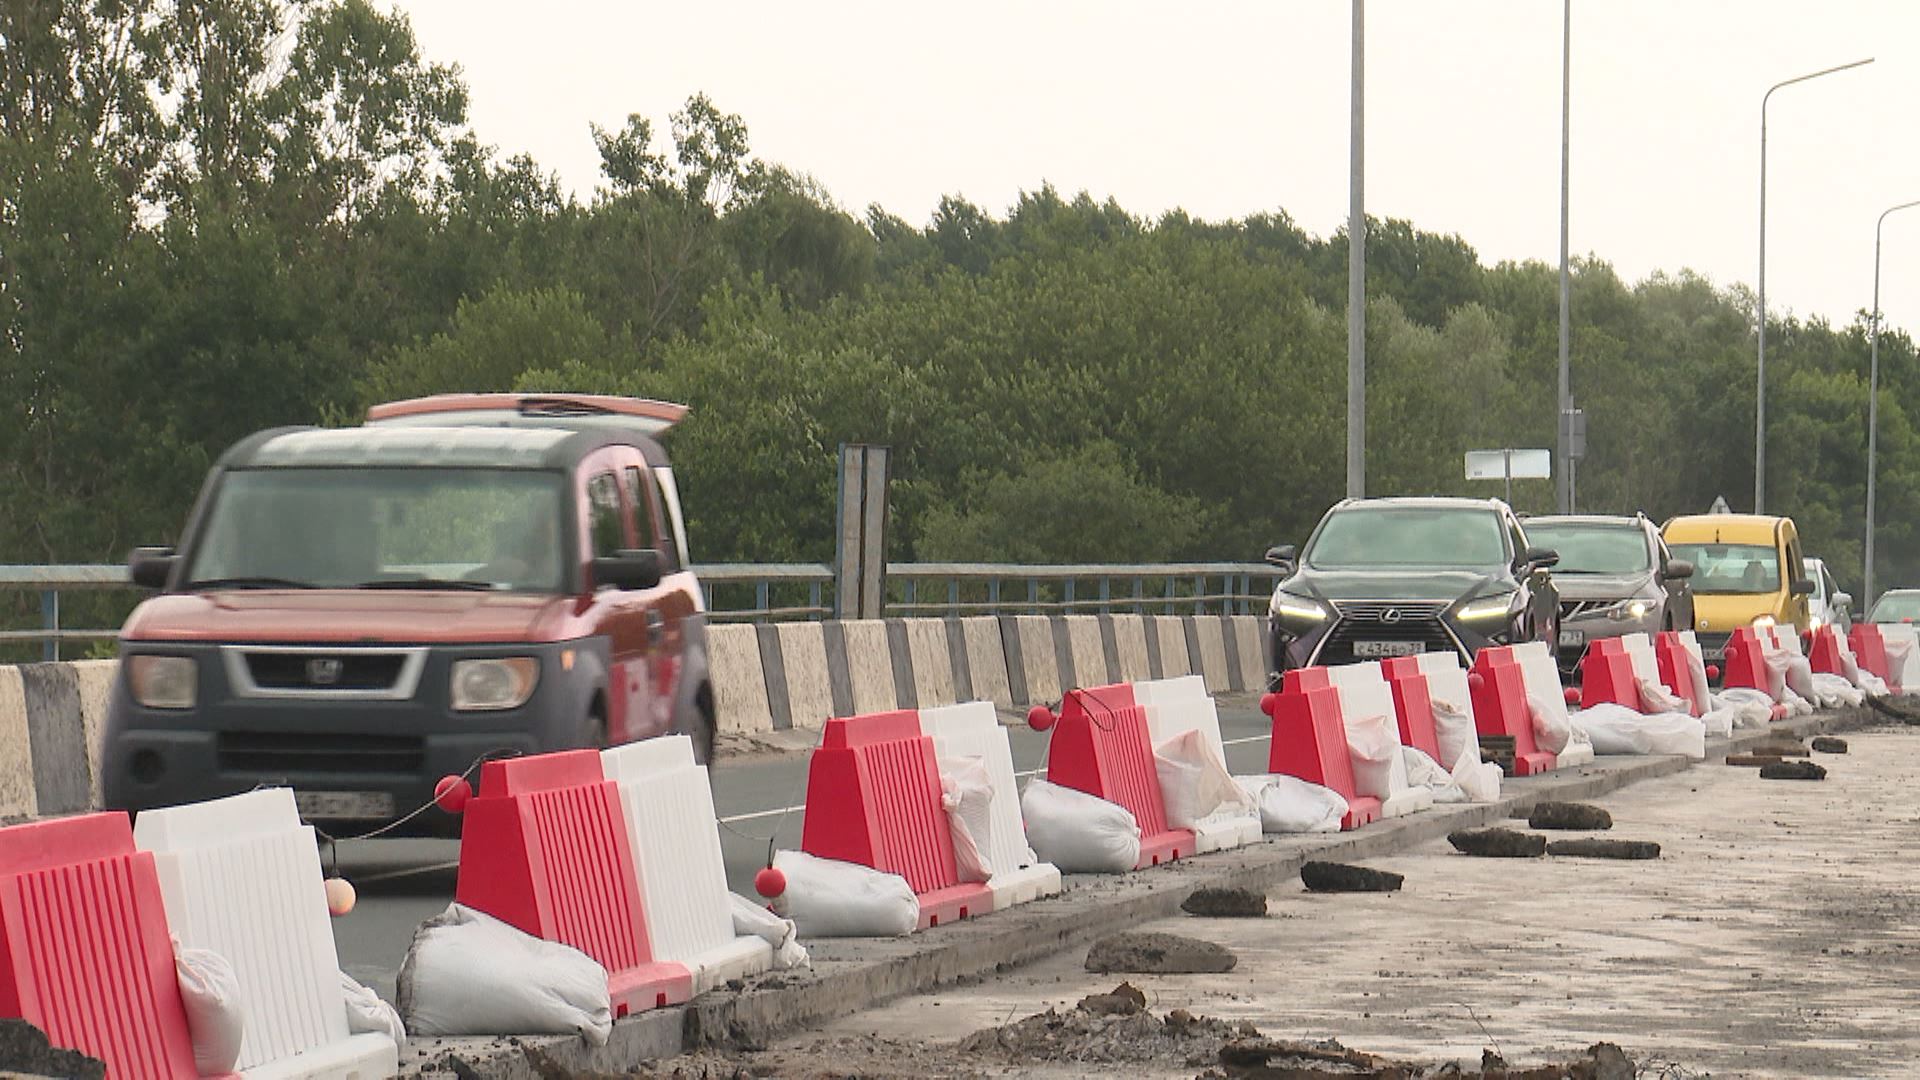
pixel 427 583
pixel 249 583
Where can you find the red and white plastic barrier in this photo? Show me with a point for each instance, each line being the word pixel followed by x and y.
pixel 973 730
pixel 1682 667
pixel 240 876
pixel 874 799
pixel 1501 708
pixel 1870 651
pixel 1549 696
pixel 1101 745
pixel 1174 708
pixel 85 953
pixel 667 808
pixel 1310 742
pixel 1449 699
pixel 545 849
pixel 1747 667
pixel 1901 643
pixel 1373 735
pixel 1413 706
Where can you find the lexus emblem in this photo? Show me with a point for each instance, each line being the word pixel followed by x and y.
pixel 1391 615
pixel 324 670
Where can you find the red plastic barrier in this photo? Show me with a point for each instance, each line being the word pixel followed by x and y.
pixel 1870 650
pixel 544 848
pixel 1413 705
pixel 1746 663
pixel 1676 671
pixel 1500 708
pixel 1310 740
pixel 85 954
pixel 873 798
pixel 1101 746
pixel 1606 676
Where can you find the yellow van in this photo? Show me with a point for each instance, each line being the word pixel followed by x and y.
pixel 1747 570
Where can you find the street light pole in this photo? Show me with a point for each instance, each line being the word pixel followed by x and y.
pixel 1357 270
pixel 1760 368
pixel 1873 402
pixel 1565 471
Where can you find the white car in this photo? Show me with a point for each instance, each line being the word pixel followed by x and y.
pixel 1827 604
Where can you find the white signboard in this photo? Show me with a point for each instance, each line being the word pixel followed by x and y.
pixel 1494 464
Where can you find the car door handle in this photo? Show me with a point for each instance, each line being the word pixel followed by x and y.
pixel 656 627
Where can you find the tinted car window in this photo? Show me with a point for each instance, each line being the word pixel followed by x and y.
pixel 345 528
pixel 1731 568
pixel 604 522
pixel 644 495
pixel 1372 537
pixel 1595 549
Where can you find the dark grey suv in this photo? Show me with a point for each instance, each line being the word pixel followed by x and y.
pixel 1615 577
pixel 1391 577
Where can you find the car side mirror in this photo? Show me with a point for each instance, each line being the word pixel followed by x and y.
pixel 1678 570
pixel 1282 556
pixel 1537 558
pixel 630 569
pixel 1803 587
pixel 150 567
pixel 1842 600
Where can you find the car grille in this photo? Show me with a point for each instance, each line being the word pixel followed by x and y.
pixel 281 754
pixel 1384 620
pixel 1711 643
pixel 1573 609
pixel 346 670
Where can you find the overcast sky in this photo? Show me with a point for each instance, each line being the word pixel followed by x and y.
pixel 1226 109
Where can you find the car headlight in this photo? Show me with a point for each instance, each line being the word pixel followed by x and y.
pixel 1629 609
pixel 1299 609
pixel 1763 622
pixel 163 682
pixel 494 683
pixel 1485 608
pixel 1815 622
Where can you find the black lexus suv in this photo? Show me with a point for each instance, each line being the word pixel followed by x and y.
pixel 1392 577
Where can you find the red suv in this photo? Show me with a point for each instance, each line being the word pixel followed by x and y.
pixel 358 612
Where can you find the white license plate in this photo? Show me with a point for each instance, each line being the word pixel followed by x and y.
pixel 1376 649
pixel 344 805
pixel 1716 655
pixel 1572 638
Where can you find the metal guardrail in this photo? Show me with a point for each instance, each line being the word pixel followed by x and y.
pixel 805 591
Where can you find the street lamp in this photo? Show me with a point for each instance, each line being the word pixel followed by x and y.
pixel 1873 399
pixel 1760 373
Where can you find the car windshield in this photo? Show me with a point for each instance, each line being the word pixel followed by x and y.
pixel 1897 607
pixel 1731 568
pixel 1378 537
pixel 382 528
pixel 1593 549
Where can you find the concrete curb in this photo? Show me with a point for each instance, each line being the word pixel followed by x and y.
pixel 851 975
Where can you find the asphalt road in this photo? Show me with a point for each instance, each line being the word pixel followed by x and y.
pixel 403 882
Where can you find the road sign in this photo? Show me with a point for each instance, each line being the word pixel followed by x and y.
pixel 1719 505
pixel 1509 465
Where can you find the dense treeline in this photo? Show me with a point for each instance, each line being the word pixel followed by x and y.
pixel 217 217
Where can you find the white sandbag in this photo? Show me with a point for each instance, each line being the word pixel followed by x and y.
pixel 1289 804
pixel 1655 698
pixel 1551 730
pixel 1747 707
pixel 1453 731
pixel 1616 729
pixel 1374 745
pixel 210 990
pixel 1423 771
pixel 1796 704
pixel 1078 832
pixel 368 1014
pixel 753 920
pixel 1194 782
pixel 1718 723
pixel 1832 691
pixel 832 898
pixel 468 973
pixel 966 793
pixel 1479 780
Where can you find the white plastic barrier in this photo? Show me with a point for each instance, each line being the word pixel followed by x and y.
pixel 972 729
pixel 1903 656
pixel 1365 697
pixel 1453 724
pixel 1544 689
pixel 668 807
pixel 1179 705
pixel 1697 669
pixel 241 877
